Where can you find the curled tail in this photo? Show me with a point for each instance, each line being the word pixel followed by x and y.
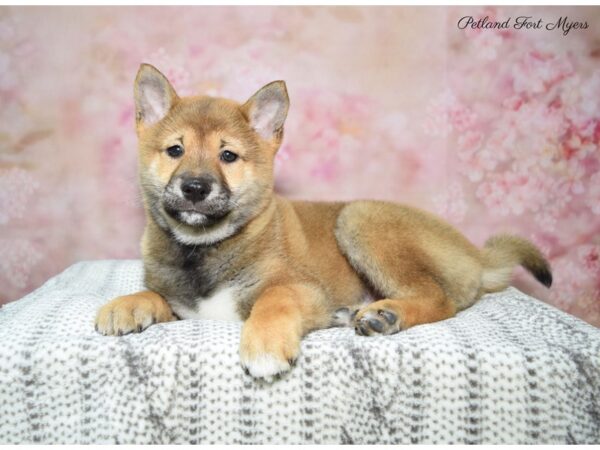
pixel 501 253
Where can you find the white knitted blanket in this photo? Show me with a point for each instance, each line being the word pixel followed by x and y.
pixel 511 369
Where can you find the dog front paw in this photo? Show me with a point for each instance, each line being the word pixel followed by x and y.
pixel 132 313
pixel 267 367
pixel 267 354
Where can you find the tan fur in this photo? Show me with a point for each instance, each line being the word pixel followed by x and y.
pixel 280 317
pixel 134 312
pixel 503 252
pixel 301 260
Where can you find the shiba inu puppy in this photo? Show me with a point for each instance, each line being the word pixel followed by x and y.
pixel 219 244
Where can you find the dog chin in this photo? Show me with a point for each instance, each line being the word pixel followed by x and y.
pixel 204 234
pixel 199 228
pixel 193 219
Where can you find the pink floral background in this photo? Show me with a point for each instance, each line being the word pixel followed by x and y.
pixel 494 130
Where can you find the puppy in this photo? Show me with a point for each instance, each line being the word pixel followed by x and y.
pixel 219 244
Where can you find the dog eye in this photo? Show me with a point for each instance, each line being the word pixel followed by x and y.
pixel 228 156
pixel 175 151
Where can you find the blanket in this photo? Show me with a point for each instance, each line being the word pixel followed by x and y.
pixel 510 369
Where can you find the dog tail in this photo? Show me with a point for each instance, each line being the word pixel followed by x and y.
pixel 501 253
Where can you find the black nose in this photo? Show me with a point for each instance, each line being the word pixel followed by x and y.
pixel 196 189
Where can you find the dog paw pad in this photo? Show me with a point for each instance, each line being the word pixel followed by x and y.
pixel 376 322
pixel 389 316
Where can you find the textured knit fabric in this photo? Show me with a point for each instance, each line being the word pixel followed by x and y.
pixel 508 370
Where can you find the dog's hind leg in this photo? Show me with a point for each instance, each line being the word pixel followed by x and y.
pixel 396 268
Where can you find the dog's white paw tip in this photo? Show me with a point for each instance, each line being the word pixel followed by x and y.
pixel 266 366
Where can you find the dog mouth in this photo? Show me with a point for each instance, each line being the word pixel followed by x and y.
pixel 196 217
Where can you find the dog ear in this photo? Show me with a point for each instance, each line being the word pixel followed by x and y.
pixel 267 109
pixel 154 95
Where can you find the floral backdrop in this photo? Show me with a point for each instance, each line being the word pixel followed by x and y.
pixel 496 130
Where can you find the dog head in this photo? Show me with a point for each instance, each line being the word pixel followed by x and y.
pixel 206 164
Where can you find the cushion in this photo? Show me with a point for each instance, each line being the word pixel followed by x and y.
pixel 510 369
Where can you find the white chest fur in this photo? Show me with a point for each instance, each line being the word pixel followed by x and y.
pixel 221 305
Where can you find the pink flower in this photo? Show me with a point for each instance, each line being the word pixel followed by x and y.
pixel 325 169
pixel 451 203
pixel 538 71
pixel 469 143
pixel 8 77
pixel 16 189
pixel 513 103
pixel 462 118
pixel 575 290
pixel 174 70
pixel 445 114
pixel 593 194
pixel 493 194
pixel 19 257
pixel 488 44
pixel 589 257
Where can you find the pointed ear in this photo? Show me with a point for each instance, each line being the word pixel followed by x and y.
pixel 154 95
pixel 267 109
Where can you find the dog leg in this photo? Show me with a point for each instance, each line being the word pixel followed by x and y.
pixel 280 317
pixel 377 241
pixel 389 316
pixel 133 313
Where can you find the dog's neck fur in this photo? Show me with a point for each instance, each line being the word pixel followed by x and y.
pixel 182 272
